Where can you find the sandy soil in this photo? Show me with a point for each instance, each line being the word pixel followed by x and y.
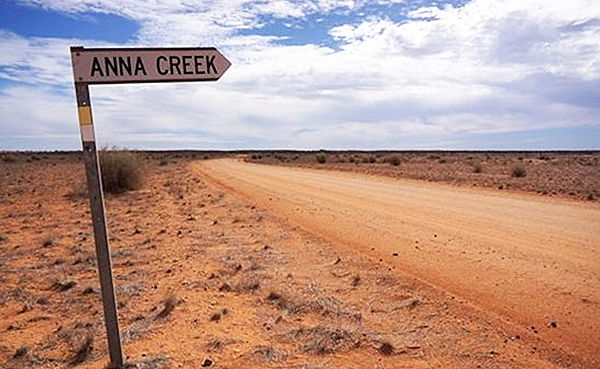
pixel 531 260
pixel 265 277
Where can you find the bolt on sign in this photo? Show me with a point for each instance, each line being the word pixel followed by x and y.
pixel 126 65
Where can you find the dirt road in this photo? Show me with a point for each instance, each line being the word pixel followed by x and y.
pixel 533 261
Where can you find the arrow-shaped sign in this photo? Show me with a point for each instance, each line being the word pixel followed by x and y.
pixel 97 66
pixel 140 65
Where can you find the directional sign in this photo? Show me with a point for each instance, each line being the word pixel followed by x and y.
pixel 97 66
pixel 137 65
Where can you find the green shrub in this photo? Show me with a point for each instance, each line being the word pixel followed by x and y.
pixel 321 158
pixel 518 171
pixel 394 160
pixel 121 171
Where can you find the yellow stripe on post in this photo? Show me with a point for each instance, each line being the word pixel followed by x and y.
pixel 85 115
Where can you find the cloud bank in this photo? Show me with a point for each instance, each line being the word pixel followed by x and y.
pixel 366 75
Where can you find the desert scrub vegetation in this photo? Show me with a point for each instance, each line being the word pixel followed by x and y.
pixel 121 170
pixel 169 304
pixel 518 171
pixel 394 160
pixel 9 158
pixel 321 158
pixel 79 190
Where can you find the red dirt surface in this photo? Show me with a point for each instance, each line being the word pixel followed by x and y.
pixel 251 286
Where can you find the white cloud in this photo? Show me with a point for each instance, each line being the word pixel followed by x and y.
pixel 431 12
pixel 34 60
pixel 38 115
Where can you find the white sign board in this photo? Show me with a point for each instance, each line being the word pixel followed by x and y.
pixel 139 65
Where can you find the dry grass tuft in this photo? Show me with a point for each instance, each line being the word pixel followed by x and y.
pixel 413 303
pixel 63 285
pixel 282 302
pixel 214 345
pixel 268 353
pixel 152 362
pixel 248 284
pixel 169 304
pixel 83 351
pixel 321 340
pixel 79 190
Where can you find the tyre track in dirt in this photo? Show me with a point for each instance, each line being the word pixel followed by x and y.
pixel 531 260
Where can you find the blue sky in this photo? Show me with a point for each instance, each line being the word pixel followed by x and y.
pixel 311 74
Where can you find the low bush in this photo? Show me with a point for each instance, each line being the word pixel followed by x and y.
pixel 394 160
pixel 121 171
pixel 321 158
pixel 518 171
pixel 10 158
